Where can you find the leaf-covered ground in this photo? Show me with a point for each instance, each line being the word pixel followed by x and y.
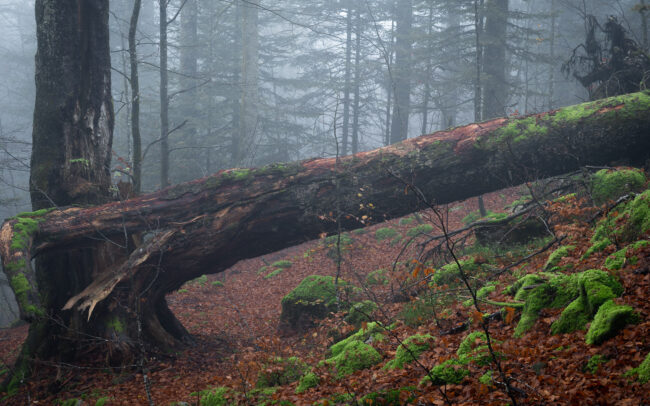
pixel 235 315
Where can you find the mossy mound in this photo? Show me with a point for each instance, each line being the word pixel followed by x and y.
pixel 627 224
pixel 609 320
pixel 308 381
pixel 450 275
pixel 386 233
pixel 215 397
pixel 314 298
pixel 354 356
pixel 452 371
pixel 617 260
pixel 410 350
pixel 419 230
pixel 482 293
pixel 610 184
pixel 595 288
pixel 583 293
pixel 280 371
pixel 361 312
pixel 555 258
pixel 374 330
pixel 474 349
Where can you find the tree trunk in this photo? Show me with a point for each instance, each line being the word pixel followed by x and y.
pixel 249 95
pixel 348 80
pixel 495 85
pixel 135 99
pixel 164 99
pixel 357 83
pixel 402 71
pixel 210 224
pixel 71 153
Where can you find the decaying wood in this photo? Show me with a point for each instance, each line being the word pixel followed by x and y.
pixel 208 225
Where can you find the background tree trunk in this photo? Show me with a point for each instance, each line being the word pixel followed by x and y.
pixel 495 84
pixel 402 71
pixel 135 99
pixel 208 225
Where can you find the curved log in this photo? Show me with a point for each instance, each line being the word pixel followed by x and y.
pixel 207 225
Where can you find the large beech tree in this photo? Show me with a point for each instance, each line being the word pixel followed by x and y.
pixel 207 225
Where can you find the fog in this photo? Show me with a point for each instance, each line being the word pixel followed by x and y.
pixel 254 82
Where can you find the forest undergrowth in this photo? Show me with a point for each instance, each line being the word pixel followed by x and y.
pixel 425 325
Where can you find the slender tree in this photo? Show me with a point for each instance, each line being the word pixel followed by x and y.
pixel 402 71
pixel 495 85
pixel 135 98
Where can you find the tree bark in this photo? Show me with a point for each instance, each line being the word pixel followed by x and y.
pixel 402 71
pixel 164 99
pixel 135 99
pixel 495 84
pixel 210 224
pixel 348 79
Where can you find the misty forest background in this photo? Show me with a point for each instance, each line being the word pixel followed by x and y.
pixel 251 83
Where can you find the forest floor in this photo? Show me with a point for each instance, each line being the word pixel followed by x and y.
pixel 235 315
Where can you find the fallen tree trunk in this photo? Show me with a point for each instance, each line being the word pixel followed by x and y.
pixel 206 226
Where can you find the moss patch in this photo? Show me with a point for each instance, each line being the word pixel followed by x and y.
pixel 452 371
pixel 557 255
pixel 308 381
pixel 377 277
pixel 610 184
pixel 410 350
pixel 314 297
pixel 450 274
pixel 609 320
pixel 355 356
pixel 385 233
pixel 361 312
pixel 418 230
pixel 284 264
pixel 594 363
pixel 374 330
pixel 595 288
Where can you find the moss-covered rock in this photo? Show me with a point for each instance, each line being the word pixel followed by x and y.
pixel 354 356
pixel 449 274
pixel 609 320
pixel 280 371
pixel 557 255
pixel 595 288
pixel 361 312
pixel 610 184
pixel 314 298
pixel 625 225
pixel 452 371
pixel 308 381
pixel 474 349
pixel 374 330
pixel 410 350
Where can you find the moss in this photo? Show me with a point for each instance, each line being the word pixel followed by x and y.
pixel 182 290
pixel 450 275
pixel 273 274
pixel 385 233
pixel 610 184
pixel 644 370
pixel 469 343
pixel 72 402
pixel 377 277
pixel 557 255
pixel 355 356
pixel 596 287
pixel 598 246
pixel 262 269
pixel 281 371
pixel 616 260
pixel 410 350
pixel 406 221
pixel 284 264
pixel 489 217
pixel 390 397
pixel 215 396
pixel 482 293
pixel 373 329
pixel 308 381
pixel 200 281
pixel 418 230
pixel 116 325
pixel 627 224
pixel 474 348
pixel 594 363
pixel 315 297
pixel 452 371
pixel 217 284
pixel 487 378
pixel 609 320
pixel 102 401
pixel 361 312
pixel 24 229
pixel 360 231
pixel 556 293
pixel 525 281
